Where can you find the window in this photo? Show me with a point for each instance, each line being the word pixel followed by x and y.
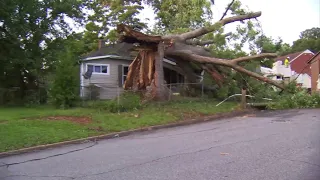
pixel 99 68
pixel 125 70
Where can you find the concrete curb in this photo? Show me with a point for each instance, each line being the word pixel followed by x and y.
pixel 126 133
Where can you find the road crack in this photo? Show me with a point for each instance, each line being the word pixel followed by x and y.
pixel 55 155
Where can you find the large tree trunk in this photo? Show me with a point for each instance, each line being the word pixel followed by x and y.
pixel 160 90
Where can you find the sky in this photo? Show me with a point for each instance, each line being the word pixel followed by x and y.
pixel 280 18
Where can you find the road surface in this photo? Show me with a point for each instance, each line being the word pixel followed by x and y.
pixel 279 145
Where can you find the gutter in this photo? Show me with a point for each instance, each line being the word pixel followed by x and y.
pixel 121 57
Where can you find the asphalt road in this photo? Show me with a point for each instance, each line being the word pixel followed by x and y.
pixel 281 145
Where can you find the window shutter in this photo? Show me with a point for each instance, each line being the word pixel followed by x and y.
pixel 120 75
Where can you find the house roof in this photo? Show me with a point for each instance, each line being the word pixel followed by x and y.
pixel 122 50
pixel 314 57
pixel 293 56
pixel 118 51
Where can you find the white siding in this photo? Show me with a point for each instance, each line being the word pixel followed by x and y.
pixel 304 79
pixel 109 84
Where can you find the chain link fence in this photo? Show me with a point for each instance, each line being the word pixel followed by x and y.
pixel 105 94
pixel 100 91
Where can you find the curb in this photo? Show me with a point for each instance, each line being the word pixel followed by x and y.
pixel 218 116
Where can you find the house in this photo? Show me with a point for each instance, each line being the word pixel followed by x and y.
pixel 297 68
pixel 105 71
pixel 315 71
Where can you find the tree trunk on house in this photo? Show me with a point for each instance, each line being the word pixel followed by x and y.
pixel 185 48
pixel 160 88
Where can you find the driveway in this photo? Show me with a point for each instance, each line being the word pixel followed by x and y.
pixel 277 145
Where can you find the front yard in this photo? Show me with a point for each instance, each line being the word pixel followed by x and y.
pixel 26 127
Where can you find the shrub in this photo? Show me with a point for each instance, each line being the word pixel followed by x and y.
pixel 300 99
pixel 64 90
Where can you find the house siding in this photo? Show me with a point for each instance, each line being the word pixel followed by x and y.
pixel 108 84
pixel 315 68
pixel 300 65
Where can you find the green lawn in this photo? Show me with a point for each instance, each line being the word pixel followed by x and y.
pixel 26 127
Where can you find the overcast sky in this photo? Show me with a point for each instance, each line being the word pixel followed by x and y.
pixel 280 18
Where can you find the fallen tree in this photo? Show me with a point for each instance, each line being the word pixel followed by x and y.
pixel 184 48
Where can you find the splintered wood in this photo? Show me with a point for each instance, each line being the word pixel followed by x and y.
pixel 141 71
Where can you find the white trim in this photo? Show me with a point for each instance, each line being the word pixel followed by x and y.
pixel 96 64
pixel 120 57
pixel 81 80
pixel 306 51
pixel 81 74
pixel 101 57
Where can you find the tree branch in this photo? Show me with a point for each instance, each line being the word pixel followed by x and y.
pixel 204 30
pixel 199 42
pixel 227 9
pixel 263 55
pixel 203 43
pixel 189 55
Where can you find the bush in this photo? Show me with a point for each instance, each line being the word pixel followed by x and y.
pixel 64 90
pixel 300 99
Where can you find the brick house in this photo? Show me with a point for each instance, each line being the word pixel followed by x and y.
pixel 297 69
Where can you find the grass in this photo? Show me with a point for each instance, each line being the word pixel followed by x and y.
pixel 26 127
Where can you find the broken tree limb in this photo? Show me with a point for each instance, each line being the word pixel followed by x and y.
pixel 204 30
pixel 227 9
pixel 229 63
pixel 198 42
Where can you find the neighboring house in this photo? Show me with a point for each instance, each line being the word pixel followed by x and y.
pixel 315 72
pixel 109 66
pixel 298 68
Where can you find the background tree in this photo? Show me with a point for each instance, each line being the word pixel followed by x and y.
pixel 309 39
pixel 64 91
pixel 28 29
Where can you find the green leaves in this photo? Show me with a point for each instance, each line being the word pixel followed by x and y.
pixel 309 39
pixel 29 34
pixel 64 90
pixel 180 16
